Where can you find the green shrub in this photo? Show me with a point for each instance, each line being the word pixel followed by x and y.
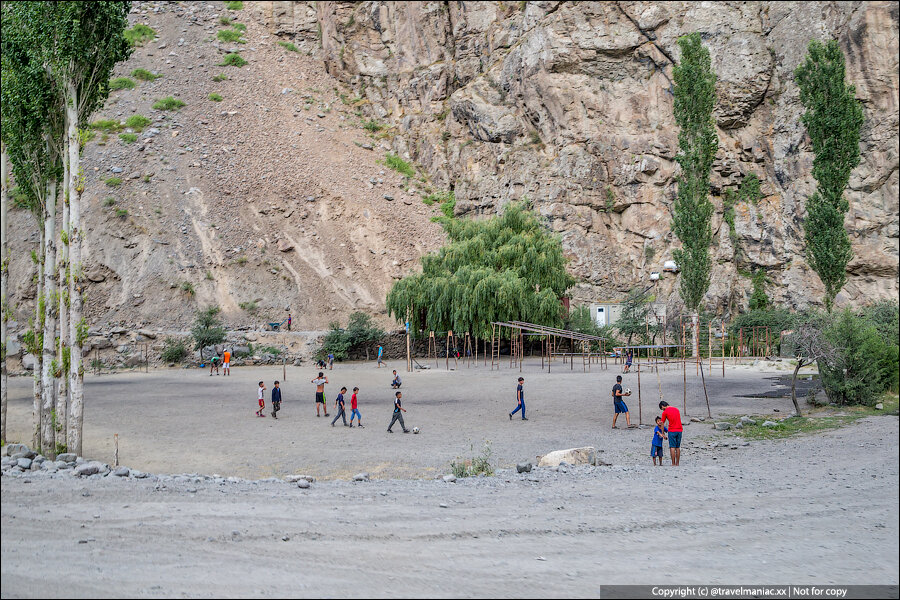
pixel 137 122
pixel 220 77
pixel 139 34
pixel 107 125
pixel 168 103
pixel 109 202
pixel 392 161
pixel 759 299
pixel 113 182
pixel 360 331
pixel 372 125
pixel 289 46
pixel 223 20
pixel 854 374
pixel 448 206
pixel 145 75
pixel 475 466
pixel 174 350
pixel 239 27
pixel 249 306
pixel 884 316
pixel 269 350
pixel 215 97
pixel 121 83
pixel 121 212
pixel 230 35
pixel 128 138
pixel 233 60
pixel 188 288
pixel 234 5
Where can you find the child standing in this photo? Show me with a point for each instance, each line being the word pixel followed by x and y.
pixel 659 434
pixel 320 382
pixel 226 363
pixel 276 400
pixel 261 396
pixel 353 410
pixel 339 405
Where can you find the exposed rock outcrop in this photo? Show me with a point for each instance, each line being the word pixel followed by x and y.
pixel 570 105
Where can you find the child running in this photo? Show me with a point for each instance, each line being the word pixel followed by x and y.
pixel 659 434
pixel 398 414
pixel 339 405
pixel 320 392
pixel 276 400
pixel 261 396
pixel 353 410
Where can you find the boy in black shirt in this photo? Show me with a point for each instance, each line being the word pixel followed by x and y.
pixel 398 414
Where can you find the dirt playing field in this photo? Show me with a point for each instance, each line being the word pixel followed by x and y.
pixel 184 421
pixel 809 509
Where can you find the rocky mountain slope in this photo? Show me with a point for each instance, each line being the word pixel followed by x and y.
pixel 570 105
pixel 277 197
pixel 272 198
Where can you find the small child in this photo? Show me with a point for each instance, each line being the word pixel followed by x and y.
pixel 339 405
pixel 353 410
pixel 276 400
pixel 261 395
pixel 659 435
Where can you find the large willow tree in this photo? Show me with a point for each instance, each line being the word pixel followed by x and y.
pixel 498 269
pixel 833 119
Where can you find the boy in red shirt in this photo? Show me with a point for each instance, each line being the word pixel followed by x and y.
pixel 671 414
pixel 354 412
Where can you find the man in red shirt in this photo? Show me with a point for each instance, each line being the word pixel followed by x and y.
pixel 671 414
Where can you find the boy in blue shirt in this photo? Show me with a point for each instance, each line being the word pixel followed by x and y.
pixel 659 434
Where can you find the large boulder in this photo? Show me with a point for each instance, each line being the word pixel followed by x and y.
pixel 573 456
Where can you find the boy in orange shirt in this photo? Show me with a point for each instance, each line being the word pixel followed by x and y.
pixel 226 363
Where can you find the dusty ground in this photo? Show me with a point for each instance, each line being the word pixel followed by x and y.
pixel 186 421
pixel 811 509
pixel 818 509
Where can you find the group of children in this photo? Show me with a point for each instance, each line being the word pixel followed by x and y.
pixel 339 403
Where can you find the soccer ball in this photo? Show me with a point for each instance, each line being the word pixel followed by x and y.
pixel 415 430
pixel 627 391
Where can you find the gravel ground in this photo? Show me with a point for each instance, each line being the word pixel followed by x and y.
pixel 172 421
pixel 812 509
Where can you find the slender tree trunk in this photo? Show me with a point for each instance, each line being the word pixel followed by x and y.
pixel 37 328
pixel 4 298
pixel 794 387
pixel 62 258
pixel 695 342
pixel 48 395
pixel 76 327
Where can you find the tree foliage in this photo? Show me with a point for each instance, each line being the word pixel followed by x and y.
pixel 695 98
pixel 864 363
pixel 833 119
pixel 498 269
pixel 207 329
pixel 360 330
pixel 632 323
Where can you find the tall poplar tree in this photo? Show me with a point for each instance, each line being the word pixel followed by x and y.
pixel 833 119
pixel 695 98
pixel 84 41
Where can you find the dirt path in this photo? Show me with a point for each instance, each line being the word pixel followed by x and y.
pixel 817 509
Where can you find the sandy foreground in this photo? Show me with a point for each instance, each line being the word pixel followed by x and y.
pixel 810 509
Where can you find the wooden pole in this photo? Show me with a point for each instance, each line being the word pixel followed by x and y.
pixel 640 408
pixel 116 438
pixel 708 412
pixel 408 353
pixel 284 368
pixel 709 338
pixel 723 348
pixel 684 383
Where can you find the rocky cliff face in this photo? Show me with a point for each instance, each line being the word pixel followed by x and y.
pixel 570 105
